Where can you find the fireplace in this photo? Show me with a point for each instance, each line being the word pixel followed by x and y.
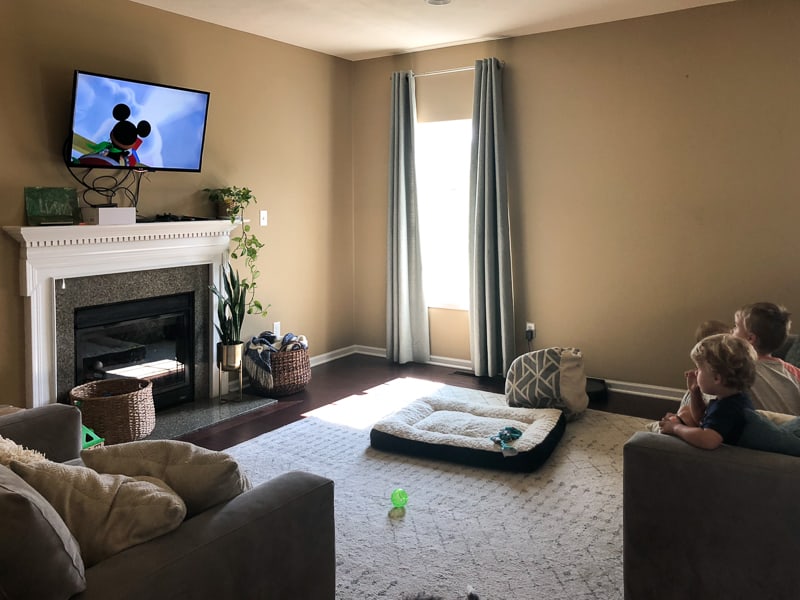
pixel 150 339
pixel 121 263
pixel 129 321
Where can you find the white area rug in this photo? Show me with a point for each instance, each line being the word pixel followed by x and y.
pixel 552 534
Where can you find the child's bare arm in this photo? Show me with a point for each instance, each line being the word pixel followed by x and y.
pixel 686 417
pixel 697 405
pixel 707 439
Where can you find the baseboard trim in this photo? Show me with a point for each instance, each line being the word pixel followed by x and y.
pixel 620 387
pixel 646 390
pixel 455 363
pixel 439 361
pixel 321 359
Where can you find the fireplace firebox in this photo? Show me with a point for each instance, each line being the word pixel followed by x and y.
pixel 151 339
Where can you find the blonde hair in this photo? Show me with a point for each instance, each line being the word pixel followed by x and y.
pixel 769 322
pixel 730 357
pixel 712 327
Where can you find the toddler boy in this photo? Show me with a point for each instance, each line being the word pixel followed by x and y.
pixel 726 367
pixel 705 329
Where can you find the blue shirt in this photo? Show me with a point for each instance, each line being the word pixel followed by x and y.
pixel 726 416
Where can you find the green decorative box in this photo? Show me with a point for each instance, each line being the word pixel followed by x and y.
pixel 51 206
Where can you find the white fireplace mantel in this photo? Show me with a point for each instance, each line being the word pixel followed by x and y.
pixel 50 254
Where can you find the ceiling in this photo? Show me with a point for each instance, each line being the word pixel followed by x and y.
pixel 362 29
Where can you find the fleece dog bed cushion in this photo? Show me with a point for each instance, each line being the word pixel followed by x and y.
pixel 460 431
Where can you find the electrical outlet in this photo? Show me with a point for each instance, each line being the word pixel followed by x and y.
pixel 276 328
pixel 263 218
pixel 530 331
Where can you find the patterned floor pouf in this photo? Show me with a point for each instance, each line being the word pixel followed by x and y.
pixel 549 378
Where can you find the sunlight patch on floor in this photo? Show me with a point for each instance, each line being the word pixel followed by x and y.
pixel 360 411
pixel 151 370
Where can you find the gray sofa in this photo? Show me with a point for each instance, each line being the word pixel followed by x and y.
pixel 709 524
pixel 275 541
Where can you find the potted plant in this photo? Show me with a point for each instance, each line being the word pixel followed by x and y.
pixel 231 308
pixel 231 201
pixel 238 294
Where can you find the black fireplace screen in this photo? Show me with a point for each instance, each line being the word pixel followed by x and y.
pixel 147 339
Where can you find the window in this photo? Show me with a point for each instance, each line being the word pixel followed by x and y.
pixel 442 164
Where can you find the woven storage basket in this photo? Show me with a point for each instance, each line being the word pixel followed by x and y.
pixel 119 410
pixel 291 371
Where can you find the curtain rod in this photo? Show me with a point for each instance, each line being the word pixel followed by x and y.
pixel 443 72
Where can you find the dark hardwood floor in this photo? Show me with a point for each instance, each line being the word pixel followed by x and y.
pixel 357 373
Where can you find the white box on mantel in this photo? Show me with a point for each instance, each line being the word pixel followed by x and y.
pixel 109 215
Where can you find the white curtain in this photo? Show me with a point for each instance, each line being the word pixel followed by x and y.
pixel 407 332
pixel 491 311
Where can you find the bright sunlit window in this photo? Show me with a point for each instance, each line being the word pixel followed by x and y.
pixel 442 163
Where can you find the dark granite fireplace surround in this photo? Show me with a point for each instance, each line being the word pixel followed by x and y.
pixel 80 292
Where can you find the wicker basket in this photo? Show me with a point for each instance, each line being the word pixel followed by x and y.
pixel 118 410
pixel 291 371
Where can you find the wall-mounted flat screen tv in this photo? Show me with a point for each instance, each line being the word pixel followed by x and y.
pixel 120 123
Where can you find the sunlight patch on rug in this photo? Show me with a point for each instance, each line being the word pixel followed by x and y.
pixel 360 411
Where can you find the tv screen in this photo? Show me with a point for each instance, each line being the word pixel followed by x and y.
pixel 121 123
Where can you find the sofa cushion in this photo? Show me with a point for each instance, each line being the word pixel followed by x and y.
pixel 771 432
pixel 34 535
pixel 776 417
pixel 105 513
pixel 549 378
pixel 202 478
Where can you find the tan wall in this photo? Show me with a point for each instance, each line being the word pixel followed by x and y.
pixel 449 333
pixel 652 170
pixel 279 123
pixel 651 167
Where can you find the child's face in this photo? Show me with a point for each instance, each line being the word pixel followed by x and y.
pixel 707 380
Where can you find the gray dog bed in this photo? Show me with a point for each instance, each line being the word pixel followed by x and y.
pixel 459 431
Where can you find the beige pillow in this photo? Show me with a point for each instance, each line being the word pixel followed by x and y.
pixel 202 478
pixel 776 417
pixel 10 450
pixel 653 426
pixel 105 513
pixel 39 557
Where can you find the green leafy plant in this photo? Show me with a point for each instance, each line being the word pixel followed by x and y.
pixel 238 295
pixel 231 306
pixel 234 199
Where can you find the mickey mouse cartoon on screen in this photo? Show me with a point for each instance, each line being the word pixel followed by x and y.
pixel 125 138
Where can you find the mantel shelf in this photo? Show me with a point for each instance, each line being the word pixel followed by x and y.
pixel 67 235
